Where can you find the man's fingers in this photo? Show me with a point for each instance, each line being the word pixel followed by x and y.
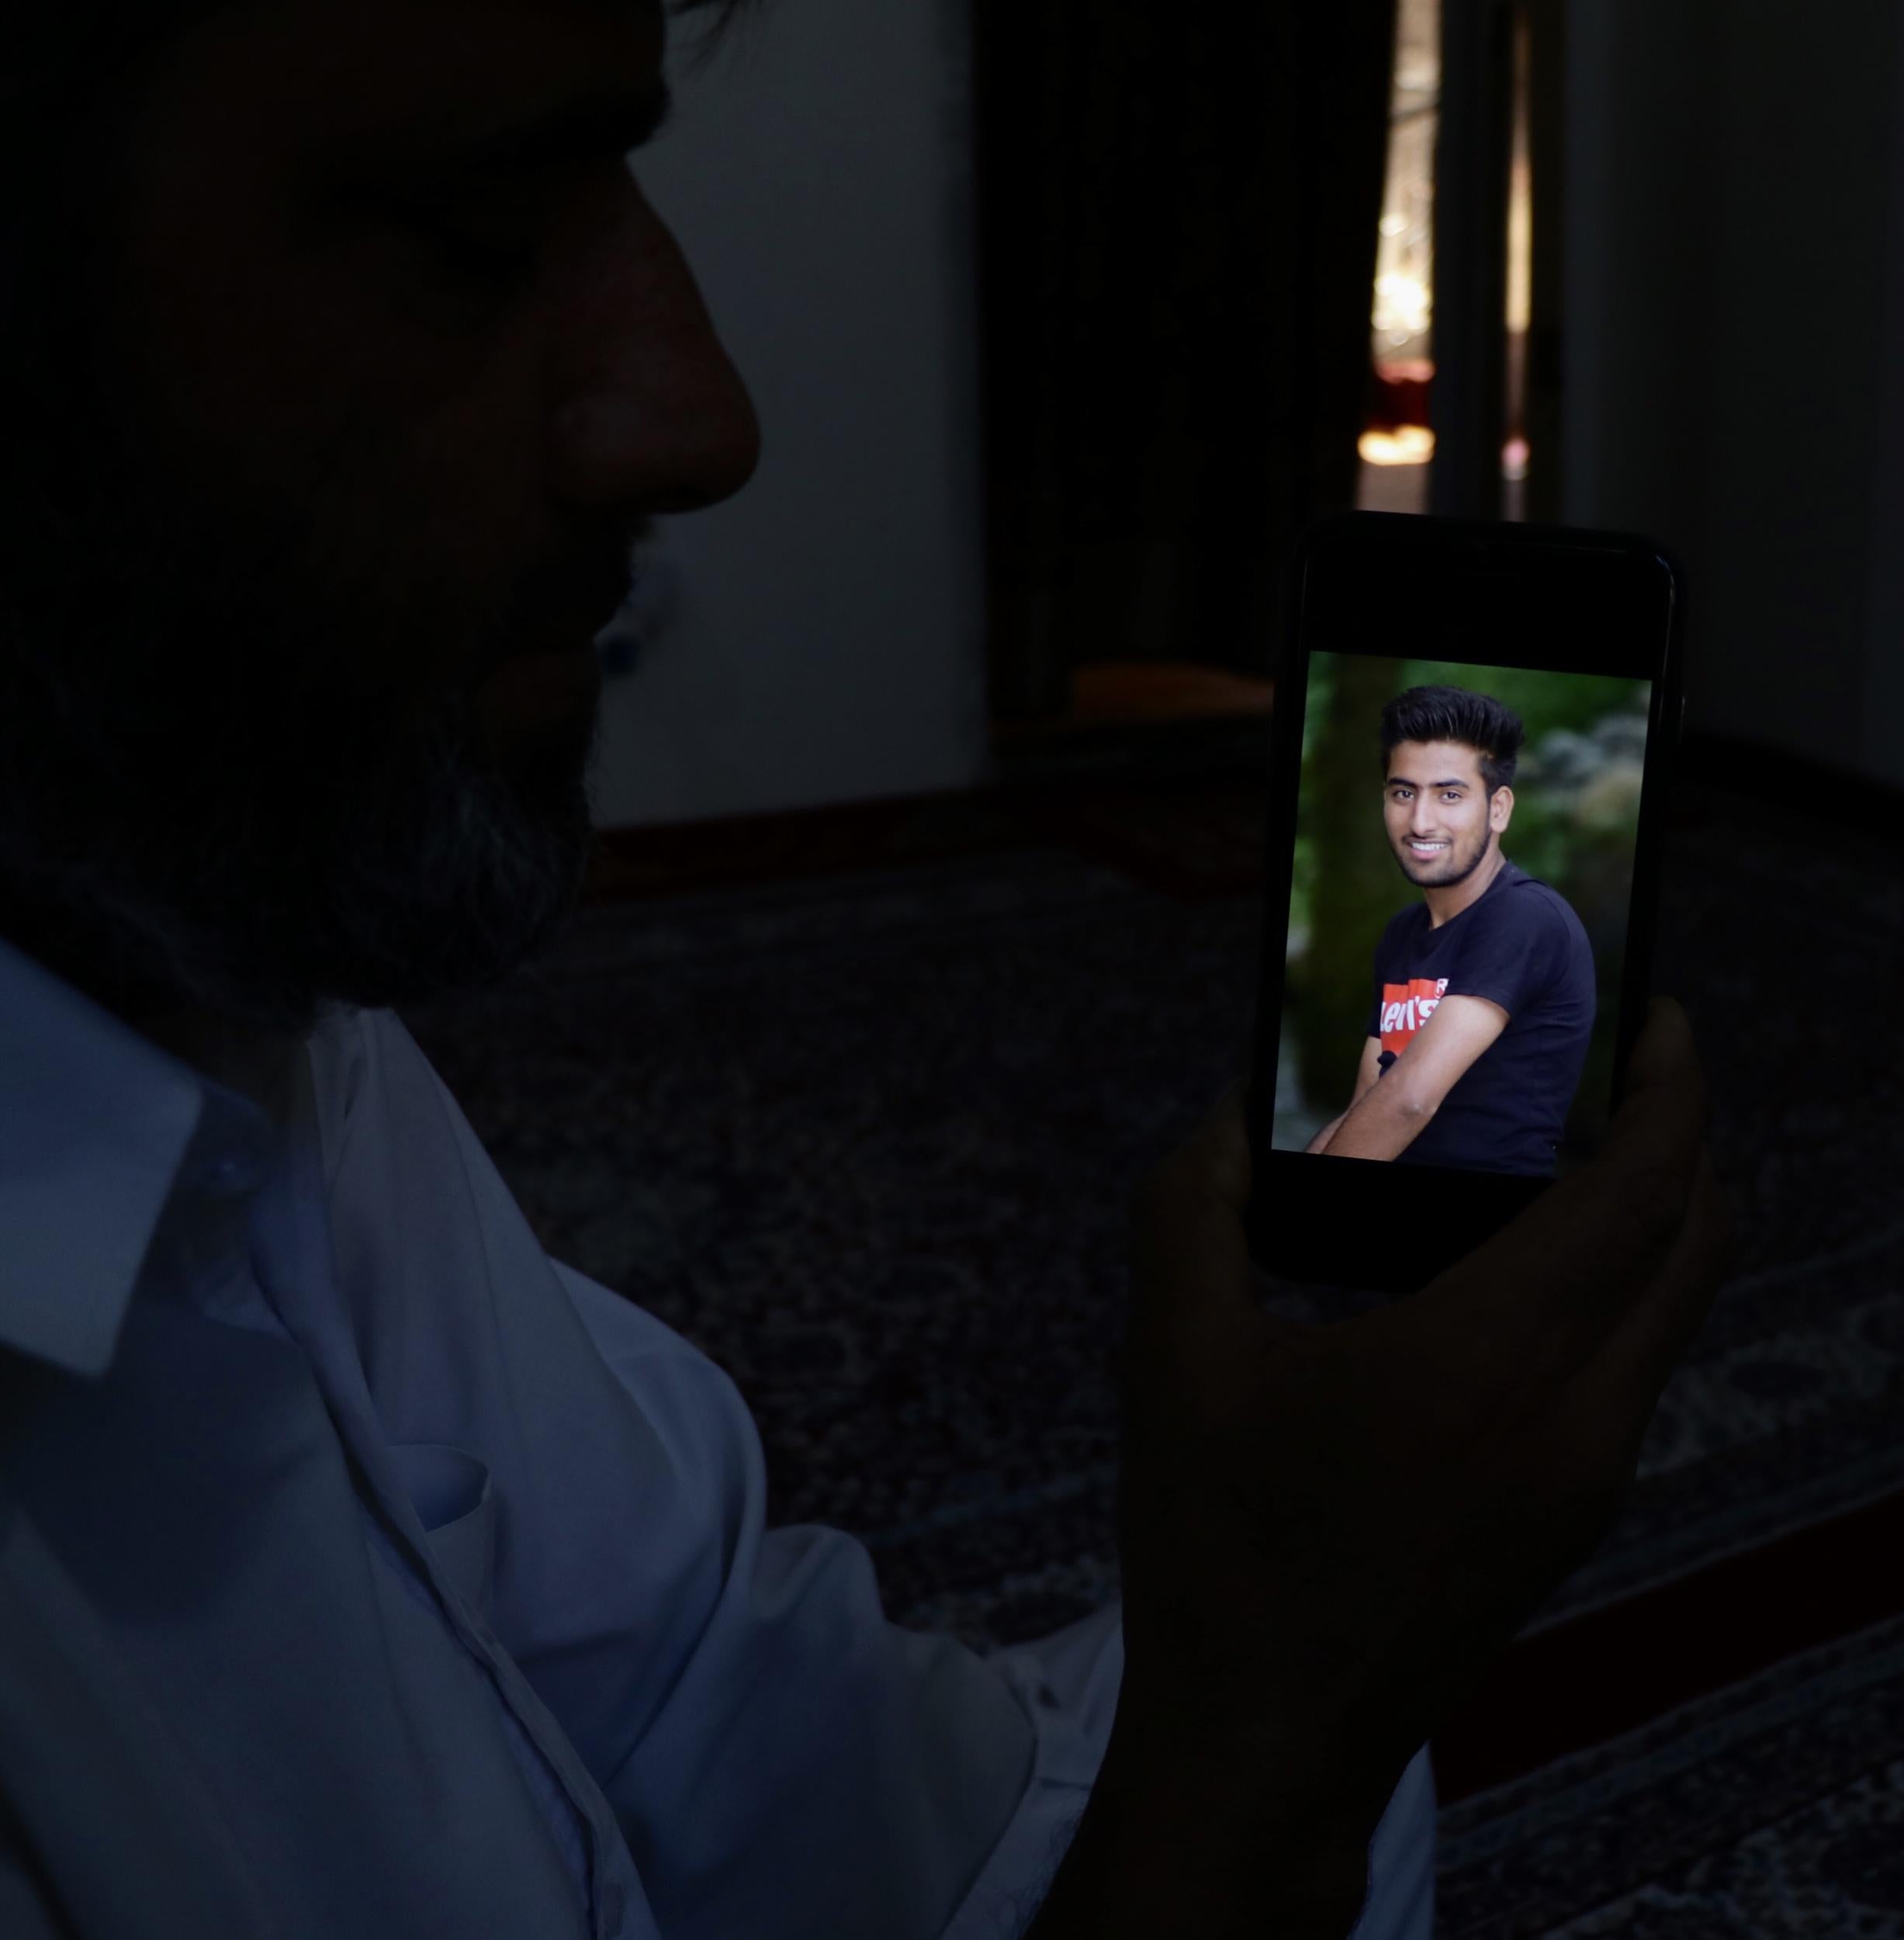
pixel 1541 1298
pixel 1549 1289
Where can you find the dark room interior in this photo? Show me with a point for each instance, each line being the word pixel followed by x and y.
pixel 932 802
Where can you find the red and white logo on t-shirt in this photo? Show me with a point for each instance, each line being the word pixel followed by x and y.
pixel 1405 1007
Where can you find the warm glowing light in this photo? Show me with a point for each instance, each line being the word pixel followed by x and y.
pixel 1402 305
pixel 1395 225
pixel 1521 250
pixel 1407 444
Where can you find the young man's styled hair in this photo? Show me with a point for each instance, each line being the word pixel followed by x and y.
pixel 1470 720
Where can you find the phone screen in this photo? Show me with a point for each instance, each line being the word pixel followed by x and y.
pixel 1471 746
pixel 1465 836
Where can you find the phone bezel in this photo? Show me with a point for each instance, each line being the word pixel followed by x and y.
pixel 1314 1218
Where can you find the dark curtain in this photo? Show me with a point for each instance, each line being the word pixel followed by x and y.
pixel 1178 211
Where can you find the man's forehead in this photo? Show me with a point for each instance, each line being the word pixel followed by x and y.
pixel 1413 761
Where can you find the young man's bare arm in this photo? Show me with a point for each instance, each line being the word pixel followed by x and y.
pixel 1366 1073
pixel 1388 1119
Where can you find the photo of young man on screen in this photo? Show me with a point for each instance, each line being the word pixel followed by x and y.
pixel 1484 986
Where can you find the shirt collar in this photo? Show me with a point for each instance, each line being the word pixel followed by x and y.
pixel 99 1128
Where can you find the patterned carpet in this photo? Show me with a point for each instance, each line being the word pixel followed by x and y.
pixel 867 1138
pixel 1775 1807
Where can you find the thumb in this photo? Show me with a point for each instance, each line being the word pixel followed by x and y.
pixel 1665 1049
pixel 1215 1157
pixel 1190 1267
pixel 1661 1121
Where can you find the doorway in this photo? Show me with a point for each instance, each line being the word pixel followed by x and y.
pixel 1112 700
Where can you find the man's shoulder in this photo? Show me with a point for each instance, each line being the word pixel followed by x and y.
pixel 1527 902
pixel 1552 908
pixel 1540 926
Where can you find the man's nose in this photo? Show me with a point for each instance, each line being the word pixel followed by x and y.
pixel 650 412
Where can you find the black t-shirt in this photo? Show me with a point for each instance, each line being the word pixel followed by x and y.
pixel 1521 947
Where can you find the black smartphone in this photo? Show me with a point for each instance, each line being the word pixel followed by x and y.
pixel 1474 725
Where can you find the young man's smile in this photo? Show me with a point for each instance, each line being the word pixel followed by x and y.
pixel 1441 818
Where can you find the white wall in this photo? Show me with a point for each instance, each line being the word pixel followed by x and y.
pixel 828 644
pixel 1734 384
pixel 1735 316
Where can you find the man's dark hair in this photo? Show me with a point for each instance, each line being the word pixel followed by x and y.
pixel 1476 721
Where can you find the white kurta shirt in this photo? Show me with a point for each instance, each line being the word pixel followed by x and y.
pixel 365 1572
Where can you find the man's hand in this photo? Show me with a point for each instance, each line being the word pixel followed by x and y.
pixel 1329 1534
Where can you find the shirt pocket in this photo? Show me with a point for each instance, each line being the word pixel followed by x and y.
pixel 450 1488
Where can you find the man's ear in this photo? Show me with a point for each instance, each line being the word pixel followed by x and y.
pixel 1501 810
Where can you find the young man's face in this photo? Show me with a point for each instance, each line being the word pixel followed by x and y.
pixel 1441 820
pixel 370 433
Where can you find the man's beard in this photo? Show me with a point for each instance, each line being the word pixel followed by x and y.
pixel 196 812
pixel 1460 873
